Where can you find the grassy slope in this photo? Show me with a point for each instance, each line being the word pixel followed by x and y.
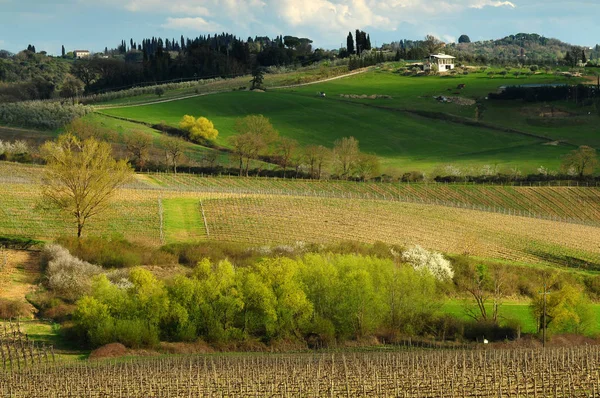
pixel 403 140
pixel 183 220
pixel 513 310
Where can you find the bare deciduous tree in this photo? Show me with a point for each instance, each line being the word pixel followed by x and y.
pixel 138 145
pixel 174 151
pixel 81 176
pixel 582 161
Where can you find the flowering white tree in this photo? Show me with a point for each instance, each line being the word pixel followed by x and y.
pixel 67 275
pixel 430 261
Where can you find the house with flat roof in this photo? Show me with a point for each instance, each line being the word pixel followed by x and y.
pixel 444 62
pixel 81 53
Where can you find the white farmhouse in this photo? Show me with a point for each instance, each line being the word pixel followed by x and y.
pixel 81 54
pixel 444 62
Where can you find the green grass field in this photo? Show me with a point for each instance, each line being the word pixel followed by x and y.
pixel 396 129
pixel 511 310
pixel 183 220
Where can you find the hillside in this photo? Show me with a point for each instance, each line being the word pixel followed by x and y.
pixel 160 209
pixel 403 124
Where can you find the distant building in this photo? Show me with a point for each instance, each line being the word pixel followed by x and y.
pixel 81 53
pixel 444 62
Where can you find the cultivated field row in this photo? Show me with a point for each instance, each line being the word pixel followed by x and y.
pixel 571 203
pixel 574 204
pixel 271 219
pixel 557 373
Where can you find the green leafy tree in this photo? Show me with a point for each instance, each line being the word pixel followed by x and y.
pixel 464 39
pixel 198 129
pixel 81 177
pixel 72 87
pixel 432 44
pixel 567 310
pixel 258 77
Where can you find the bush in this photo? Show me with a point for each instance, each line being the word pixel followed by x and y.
pixel 135 333
pixel 433 262
pixel 13 309
pixel 115 252
pixel 477 331
pixel 68 276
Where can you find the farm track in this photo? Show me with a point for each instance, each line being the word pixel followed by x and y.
pixel 101 107
pixel 556 373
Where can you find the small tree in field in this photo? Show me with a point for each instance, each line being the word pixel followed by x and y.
pixel 82 176
pixel 286 149
pixel 258 77
pixel 174 151
pixel 138 145
pixel 583 161
pixel 198 129
pixel 346 153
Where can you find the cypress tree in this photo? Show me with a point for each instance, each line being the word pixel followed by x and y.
pixel 350 44
pixel 63 51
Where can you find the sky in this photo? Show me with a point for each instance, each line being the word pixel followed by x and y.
pixel 96 24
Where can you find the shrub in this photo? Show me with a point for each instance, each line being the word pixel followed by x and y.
pixel 68 276
pixel 115 252
pixel 477 331
pixel 13 309
pixel 433 262
pixel 135 333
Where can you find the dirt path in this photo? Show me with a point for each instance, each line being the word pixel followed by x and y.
pixel 100 107
pixel 20 275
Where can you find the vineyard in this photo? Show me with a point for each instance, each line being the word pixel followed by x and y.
pixel 567 203
pixel 484 221
pixel 18 352
pixel 557 373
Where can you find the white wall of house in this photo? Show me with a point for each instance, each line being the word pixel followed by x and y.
pixel 443 63
pixel 81 54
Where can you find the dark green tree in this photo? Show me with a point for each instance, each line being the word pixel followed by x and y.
pixel 464 39
pixel 350 43
pixel 258 76
pixel 63 51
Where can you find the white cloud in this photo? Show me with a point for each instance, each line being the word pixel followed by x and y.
pixel 192 23
pixel 327 21
pixel 492 3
